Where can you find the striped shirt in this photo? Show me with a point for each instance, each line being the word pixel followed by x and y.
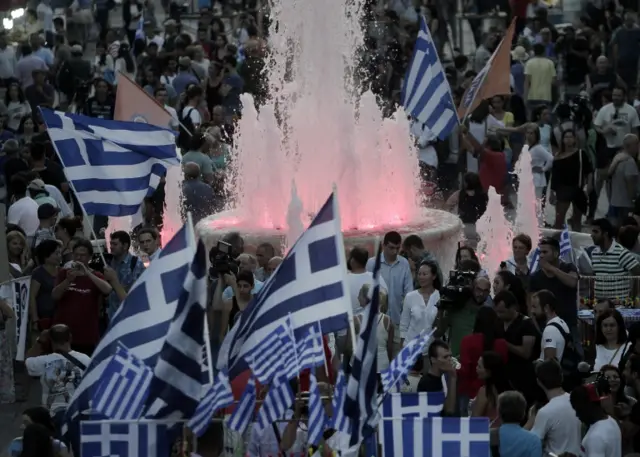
pixel 612 270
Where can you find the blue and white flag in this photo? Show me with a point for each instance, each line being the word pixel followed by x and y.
pixel 124 388
pixel 142 321
pixel 440 436
pixel 243 414
pixel 270 355
pixel 278 400
pixel 217 396
pixel 317 418
pixel 338 420
pixel 311 349
pixel 310 286
pixel 139 30
pixel 111 165
pixel 397 406
pixel 566 251
pixel 426 93
pixel 176 387
pixel 124 439
pixel 361 404
pixel 405 360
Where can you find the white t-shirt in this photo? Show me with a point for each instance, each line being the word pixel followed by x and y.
pixel 45 14
pixel 558 426
pixel 426 152
pixel 540 157
pixel 603 439
pixel 194 114
pixel 174 123
pixel 552 338
pixel 623 119
pixel 58 376
pixel 606 356
pixel 24 214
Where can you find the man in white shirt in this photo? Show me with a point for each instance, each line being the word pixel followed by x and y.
pixel 24 211
pixel 603 439
pixel 543 306
pixel 556 422
pixel 59 368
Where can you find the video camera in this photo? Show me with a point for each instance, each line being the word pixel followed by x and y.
pixel 222 262
pixel 458 290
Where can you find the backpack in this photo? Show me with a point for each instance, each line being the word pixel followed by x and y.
pixel 569 362
pixel 187 129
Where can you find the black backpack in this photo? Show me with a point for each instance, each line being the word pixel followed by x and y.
pixel 571 358
pixel 187 129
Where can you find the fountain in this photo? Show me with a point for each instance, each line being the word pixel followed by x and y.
pixel 495 235
pixel 318 130
pixel 528 213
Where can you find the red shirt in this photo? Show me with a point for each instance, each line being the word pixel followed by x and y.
pixel 471 348
pixel 492 170
pixel 519 7
pixel 79 308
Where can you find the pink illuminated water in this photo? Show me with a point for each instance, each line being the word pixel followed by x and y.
pixel 319 131
pixel 528 209
pixel 495 235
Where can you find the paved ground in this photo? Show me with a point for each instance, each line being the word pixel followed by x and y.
pixel 27 390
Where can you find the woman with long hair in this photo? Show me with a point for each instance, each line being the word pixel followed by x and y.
pixel 124 62
pixel 491 370
pixel 26 129
pixel 570 173
pixel 41 416
pixel 37 441
pixel 420 307
pixel 18 253
pixel 471 201
pixel 505 280
pixel 487 335
pixel 16 105
pixel 103 64
pixel 611 339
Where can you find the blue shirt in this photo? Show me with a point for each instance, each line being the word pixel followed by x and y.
pixel 127 276
pixel 182 80
pixel 518 442
pixel 45 54
pixel 517 71
pixel 15 448
pixel 399 282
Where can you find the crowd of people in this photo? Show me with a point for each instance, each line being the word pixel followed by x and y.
pixel 511 348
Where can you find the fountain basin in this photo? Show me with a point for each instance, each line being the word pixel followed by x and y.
pixel 439 230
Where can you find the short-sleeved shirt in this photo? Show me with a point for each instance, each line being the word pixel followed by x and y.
pixel 612 269
pixel 552 338
pixel 52 174
pixel 541 72
pixel 567 302
pixel 619 195
pixel 520 370
pixel 623 118
pixel 203 161
pixel 44 301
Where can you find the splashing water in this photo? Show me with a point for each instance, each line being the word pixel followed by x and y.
pixel 294 218
pixel 528 209
pixel 318 131
pixel 173 203
pixel 495 235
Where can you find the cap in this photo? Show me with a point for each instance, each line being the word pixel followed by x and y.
pixel 47 211
pixel 77 48
pixel 519 53
pixel 37 184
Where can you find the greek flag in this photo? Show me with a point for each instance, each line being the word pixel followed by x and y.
pixel 142 322
pixel 317 418
pixel 111 165
pixel 426 93
pixel 566 251
pixel 404 361
pixel 310 286
pixel 125 439
pixel 440 437
pixel 397 406
pixel 176 387
pixel 217 396
pixel 311 349
pixel 268 358
pixel 279 398
pixel 243 414
pixel 338 420
pixel 124 389
pixel 361 404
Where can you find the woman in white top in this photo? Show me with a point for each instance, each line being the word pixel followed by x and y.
pixel 17 106
pixel 124 62
pixel 420 309
pixel 103 65
pixel 385 329
pixel 611 339
pixel 541 159
pixel 518 264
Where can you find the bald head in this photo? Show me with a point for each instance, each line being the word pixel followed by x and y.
pixel 630 144
pixel 191 170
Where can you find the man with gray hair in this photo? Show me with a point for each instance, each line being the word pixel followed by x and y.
pixel 513 439
pixel 623 180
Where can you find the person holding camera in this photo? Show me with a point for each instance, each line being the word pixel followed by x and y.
pixel 126 266
pixel 59 368
pixel 79 294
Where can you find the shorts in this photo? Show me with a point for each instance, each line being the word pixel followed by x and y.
pixel 575 195
pixel 605 156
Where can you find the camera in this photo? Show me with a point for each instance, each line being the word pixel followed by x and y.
pixel 221 261
pixel 458 290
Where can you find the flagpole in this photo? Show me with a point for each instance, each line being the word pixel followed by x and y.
pixel 343 261
pixel 324 358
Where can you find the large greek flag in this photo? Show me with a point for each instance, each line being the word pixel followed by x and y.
pixel 309 287
pixel 124 439
pixel 142 322
pixel 426 93
pixel 111 165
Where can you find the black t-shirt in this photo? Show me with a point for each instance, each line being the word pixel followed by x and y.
pixel 52 174
pixel 634 417
pixel 566 296
pixel 13 166
pixel 430 383
pixel 520 370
